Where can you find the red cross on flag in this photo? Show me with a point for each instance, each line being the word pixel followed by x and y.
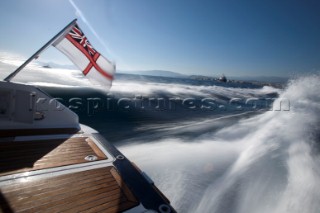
pixel 93 65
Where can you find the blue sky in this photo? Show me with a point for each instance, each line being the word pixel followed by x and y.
pixel 238 38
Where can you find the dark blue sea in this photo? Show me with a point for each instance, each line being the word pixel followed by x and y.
pixel 211 147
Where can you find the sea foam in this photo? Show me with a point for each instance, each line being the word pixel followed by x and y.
pixel 267 163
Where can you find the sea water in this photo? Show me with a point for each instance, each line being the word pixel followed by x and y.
pixel 211 147
pixel 268 162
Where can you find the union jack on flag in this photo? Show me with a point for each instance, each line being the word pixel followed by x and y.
pixel 78 49
pixel 78 36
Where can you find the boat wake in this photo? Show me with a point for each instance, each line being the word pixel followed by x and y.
pixel 212 161
pixel 266 163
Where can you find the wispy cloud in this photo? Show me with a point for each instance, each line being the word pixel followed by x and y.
pixel 115 58
pixel 80 14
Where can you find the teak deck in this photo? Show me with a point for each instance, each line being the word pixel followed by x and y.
pixel 98 190
pixel 95 190
pixel 16 157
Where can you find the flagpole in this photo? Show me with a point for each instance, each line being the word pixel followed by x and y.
pixel 36 54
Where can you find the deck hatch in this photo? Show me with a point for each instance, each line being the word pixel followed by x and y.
pixel 23 156
pixel 97 190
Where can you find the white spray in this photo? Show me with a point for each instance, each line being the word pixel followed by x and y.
pixel 267 163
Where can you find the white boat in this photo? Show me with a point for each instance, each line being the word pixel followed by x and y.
pixel 51 163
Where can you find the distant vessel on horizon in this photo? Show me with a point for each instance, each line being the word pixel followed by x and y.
pixel 46 66
pixel 222 78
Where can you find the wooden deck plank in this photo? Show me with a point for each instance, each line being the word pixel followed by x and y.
pixel 49 156
pixel 91 191
pixel 37 190
pixel 91 200
pixel 95 148
pixel 99 204
pixel 16 157
pixel 48 200
pixel 85 175
pixel 124 188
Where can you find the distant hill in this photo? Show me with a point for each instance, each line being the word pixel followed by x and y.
pixel 161 73
pixel 164 73
pixel 271 79
pixel 170 74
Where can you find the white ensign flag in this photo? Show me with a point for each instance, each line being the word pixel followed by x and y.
pixel 93 65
